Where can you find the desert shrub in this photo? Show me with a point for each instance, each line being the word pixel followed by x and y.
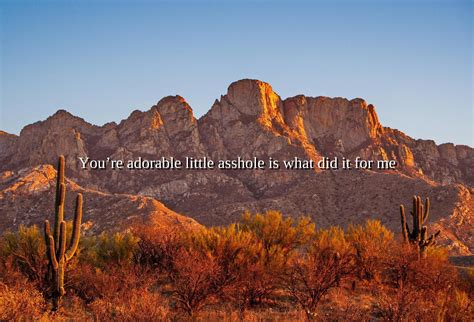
pixel 194 278
pixel 24 251
pixel 200 265
pixel 256 269
pixel 137 304
pixel 333 238
pixel 246 271
pixel 432 274
pixel 414 288
pixel 370 243
pixel 277 240
pixel 459 307
pixel 91 283
pixel 230 246
pixel 398 304
pixel 21 302
pixel 109 249
pixel 259 278
pixel 157 247
pixel 278 234
pixel 321 268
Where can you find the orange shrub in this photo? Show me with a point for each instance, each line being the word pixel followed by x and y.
pixel 137 304
pixel 370 243
pixel 195 280
pixel 314 273
pixel 21 302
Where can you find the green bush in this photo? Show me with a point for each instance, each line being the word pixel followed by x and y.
pixel 109 249
pixel 24 250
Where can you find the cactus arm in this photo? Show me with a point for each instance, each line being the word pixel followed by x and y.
pixel 60 176
pixel 420 213
pixel 59 202
pixel 59 212
pixel 62 240
pixel 436 234
pixel 47 232
pixel 432 238
pixel 76 230
pixel 415 218
pixel 405 230
pixel 414 206
pixel 51 254
pixel 427 210
pixel 47 238
pixel 60 285
pixel 423 235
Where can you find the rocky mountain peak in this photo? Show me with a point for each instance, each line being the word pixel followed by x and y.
pixel 256 99
pixel 174 103
pixel 139 120
pixel 253 97
pixel 63 118
pixel 176 114
pixel 62 113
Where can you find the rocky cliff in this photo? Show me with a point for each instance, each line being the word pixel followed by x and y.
pixel 251 120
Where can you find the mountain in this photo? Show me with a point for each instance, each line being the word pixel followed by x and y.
pixel 251 120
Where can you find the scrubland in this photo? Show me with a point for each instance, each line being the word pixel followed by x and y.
pixel 264 268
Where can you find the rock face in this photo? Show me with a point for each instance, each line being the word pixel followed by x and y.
pixel 335 124
pixel 8 145
pixel 167 129
pixel 43 141
pixel 251 120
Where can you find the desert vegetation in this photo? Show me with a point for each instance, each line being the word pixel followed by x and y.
pixel 264 267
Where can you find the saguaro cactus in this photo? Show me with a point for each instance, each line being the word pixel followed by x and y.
pixel 419 235
pixel 58 256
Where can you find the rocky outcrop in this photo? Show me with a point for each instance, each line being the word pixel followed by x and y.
pixel 167 129
pixel 251 120
pixel 42 142
pixel 446 163
pixel 8 143
pixel 333 124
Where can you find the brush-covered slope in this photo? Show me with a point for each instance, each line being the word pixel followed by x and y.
pixel 27 197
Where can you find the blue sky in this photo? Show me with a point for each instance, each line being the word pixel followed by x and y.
pixel 101 60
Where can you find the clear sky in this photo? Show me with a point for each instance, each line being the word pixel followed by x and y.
pixel 100 60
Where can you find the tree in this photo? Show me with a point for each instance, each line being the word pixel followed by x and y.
pixel 279 239
pixel 311 276
pixel 370 243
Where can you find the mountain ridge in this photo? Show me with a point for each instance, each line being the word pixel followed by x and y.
pixel 251 120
